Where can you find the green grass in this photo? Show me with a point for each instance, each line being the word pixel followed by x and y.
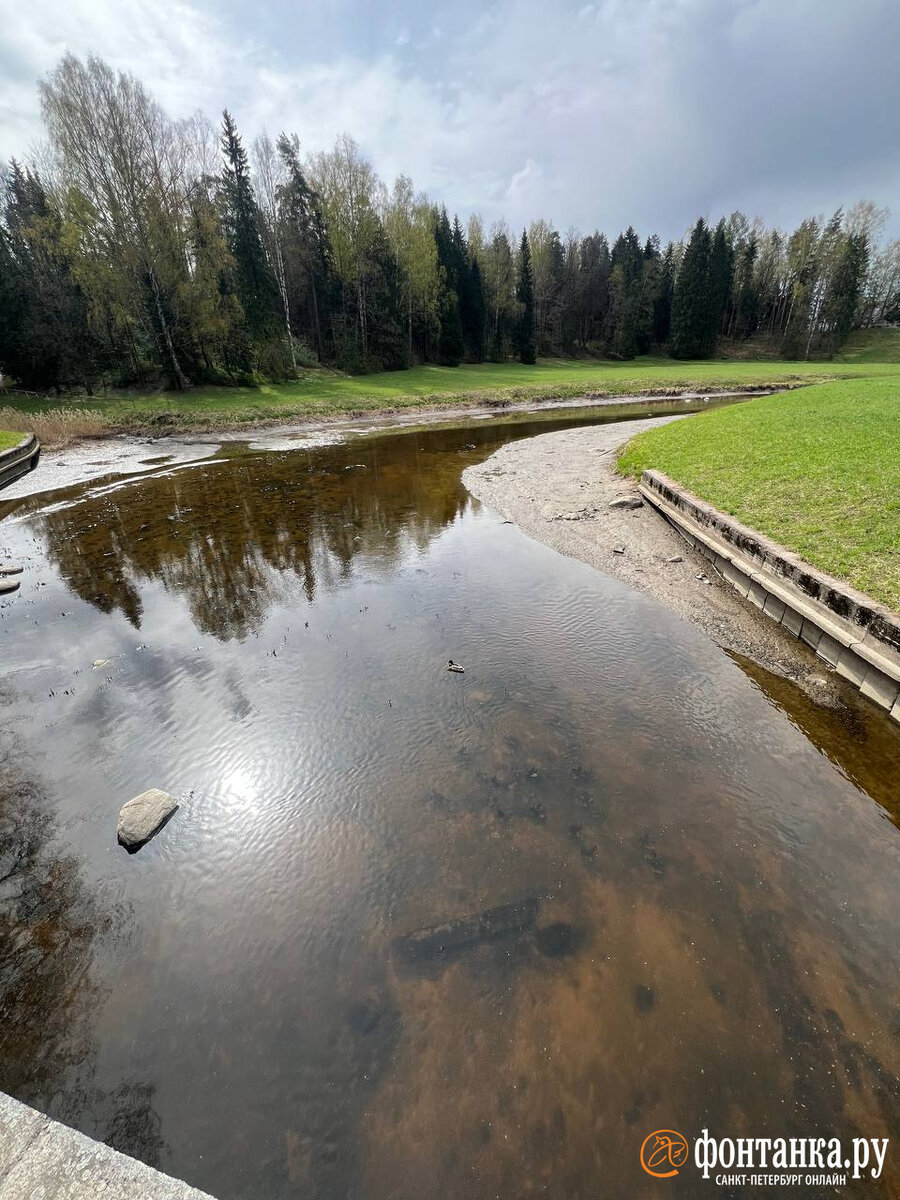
pixel 816 469
pixel 322 393
pixel 8 440
pixel 871 346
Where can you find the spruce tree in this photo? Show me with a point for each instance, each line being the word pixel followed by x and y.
pixel 720 268
pixel 450 249
pixel 662 301
pixel 256 286
pixel 690 304
pixel 525 339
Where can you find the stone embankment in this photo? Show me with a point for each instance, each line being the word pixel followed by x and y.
pixel 19 460
pixel 39 1158
pixel 851 632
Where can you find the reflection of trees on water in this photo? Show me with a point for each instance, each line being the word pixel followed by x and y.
pixel 47 925
pixel 50 927
pixel 224 536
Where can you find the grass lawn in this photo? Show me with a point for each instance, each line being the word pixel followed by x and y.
pixel 324 393
pixel 8 440
pixel 816 469
pixel 871 346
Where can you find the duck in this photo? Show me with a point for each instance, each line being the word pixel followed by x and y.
pixel 452 666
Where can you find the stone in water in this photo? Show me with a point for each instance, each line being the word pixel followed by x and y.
pixel 144 816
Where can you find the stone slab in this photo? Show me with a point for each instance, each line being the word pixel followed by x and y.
pixel 40 1159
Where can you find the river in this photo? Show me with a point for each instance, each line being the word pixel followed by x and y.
pixel 667 906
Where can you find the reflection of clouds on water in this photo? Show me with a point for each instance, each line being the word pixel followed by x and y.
pixel 711 912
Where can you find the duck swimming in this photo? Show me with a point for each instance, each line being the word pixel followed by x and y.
pixel 452 666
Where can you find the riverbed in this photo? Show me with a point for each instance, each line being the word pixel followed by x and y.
pixel 640 896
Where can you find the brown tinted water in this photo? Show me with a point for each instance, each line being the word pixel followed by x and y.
pixel 414 934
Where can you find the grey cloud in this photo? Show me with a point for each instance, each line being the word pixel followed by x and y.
pixel 591 114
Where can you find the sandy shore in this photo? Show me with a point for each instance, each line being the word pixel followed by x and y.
pixel 557 488
pixel 133 453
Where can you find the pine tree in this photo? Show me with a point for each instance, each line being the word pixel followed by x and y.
pixel 256 286
pixel 690 304
pixel 525 339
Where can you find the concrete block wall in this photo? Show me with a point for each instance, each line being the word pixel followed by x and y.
pixel 850 631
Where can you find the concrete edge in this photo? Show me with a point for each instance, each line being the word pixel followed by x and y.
pixel 39 1157
pixel 19 460
pixel 853 633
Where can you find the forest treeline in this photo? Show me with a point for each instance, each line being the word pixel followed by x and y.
pixel 142 250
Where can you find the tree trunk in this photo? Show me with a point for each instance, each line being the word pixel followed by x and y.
pixel 316 326
pixel 181 380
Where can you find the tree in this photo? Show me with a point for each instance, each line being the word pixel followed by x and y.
pixel 720 268
pixel 451 256
pixel 45 333
pixel 122 160
pixel 690 304
pixel 662 301
pixel 350 193
pixel 409 224
pixel 269 180
pixel 308 257
pixel 256 286
pixel 499 277
pixel 525 336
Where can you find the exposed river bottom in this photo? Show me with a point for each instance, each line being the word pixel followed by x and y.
pixel 416 934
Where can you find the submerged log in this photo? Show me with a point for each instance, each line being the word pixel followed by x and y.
pixel 435 940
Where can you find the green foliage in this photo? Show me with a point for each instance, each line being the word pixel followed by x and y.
pixel 146 264
pixel 255 282
pixel 690 305
pixel 525 338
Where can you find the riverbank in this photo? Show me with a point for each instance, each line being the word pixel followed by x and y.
pixel 817 471
pixel 558 488
pixel 321 394
pixel 91 458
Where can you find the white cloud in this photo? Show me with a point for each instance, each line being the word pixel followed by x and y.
pixel 643 111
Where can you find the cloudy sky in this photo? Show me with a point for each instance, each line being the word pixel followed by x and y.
pixel 591 114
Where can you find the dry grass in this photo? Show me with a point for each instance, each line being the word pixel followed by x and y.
pixel 57 426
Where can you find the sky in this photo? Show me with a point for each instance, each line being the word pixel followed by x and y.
pixel 592 115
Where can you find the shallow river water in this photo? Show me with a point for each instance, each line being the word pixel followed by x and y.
pixel 669 883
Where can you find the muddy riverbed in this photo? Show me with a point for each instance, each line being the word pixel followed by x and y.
pixel 413 933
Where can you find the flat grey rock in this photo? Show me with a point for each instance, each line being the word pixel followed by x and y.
pixel 144 816
pixel 627 502
pixel 8 585
pixel 11 568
